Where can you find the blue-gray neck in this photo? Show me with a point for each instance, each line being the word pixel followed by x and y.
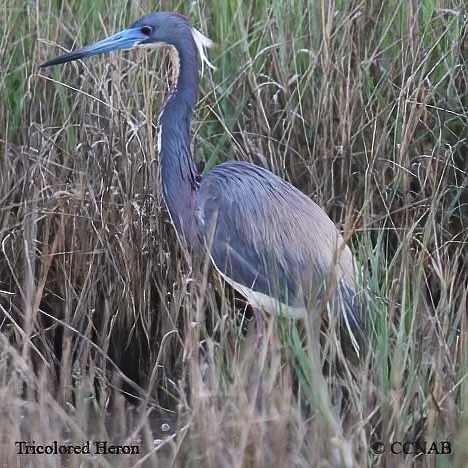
pixel 177 169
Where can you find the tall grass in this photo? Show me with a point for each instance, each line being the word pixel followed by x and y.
pixel 106 334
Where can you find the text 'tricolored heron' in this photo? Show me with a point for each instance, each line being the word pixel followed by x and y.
pixel 266 238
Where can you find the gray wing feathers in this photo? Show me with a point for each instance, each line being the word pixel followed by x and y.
pixel 265 234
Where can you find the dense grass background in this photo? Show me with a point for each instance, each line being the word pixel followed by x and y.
pixel 104 331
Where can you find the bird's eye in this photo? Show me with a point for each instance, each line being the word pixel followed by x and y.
pixel 146 30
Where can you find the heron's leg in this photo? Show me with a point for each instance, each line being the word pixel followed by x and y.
pixel 263 361
pixel 259 323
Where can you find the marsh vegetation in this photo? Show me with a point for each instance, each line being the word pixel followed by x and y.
pixel 104 332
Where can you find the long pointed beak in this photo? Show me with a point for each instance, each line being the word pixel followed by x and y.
pixel 125 39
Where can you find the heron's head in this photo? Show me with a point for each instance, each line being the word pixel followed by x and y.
pixel 160 28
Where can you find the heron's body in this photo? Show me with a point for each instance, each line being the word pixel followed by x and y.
pixel 266 238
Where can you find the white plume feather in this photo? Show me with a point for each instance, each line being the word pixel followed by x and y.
pixel 202 42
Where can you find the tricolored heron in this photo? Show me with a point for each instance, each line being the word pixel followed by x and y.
pixel 267 239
